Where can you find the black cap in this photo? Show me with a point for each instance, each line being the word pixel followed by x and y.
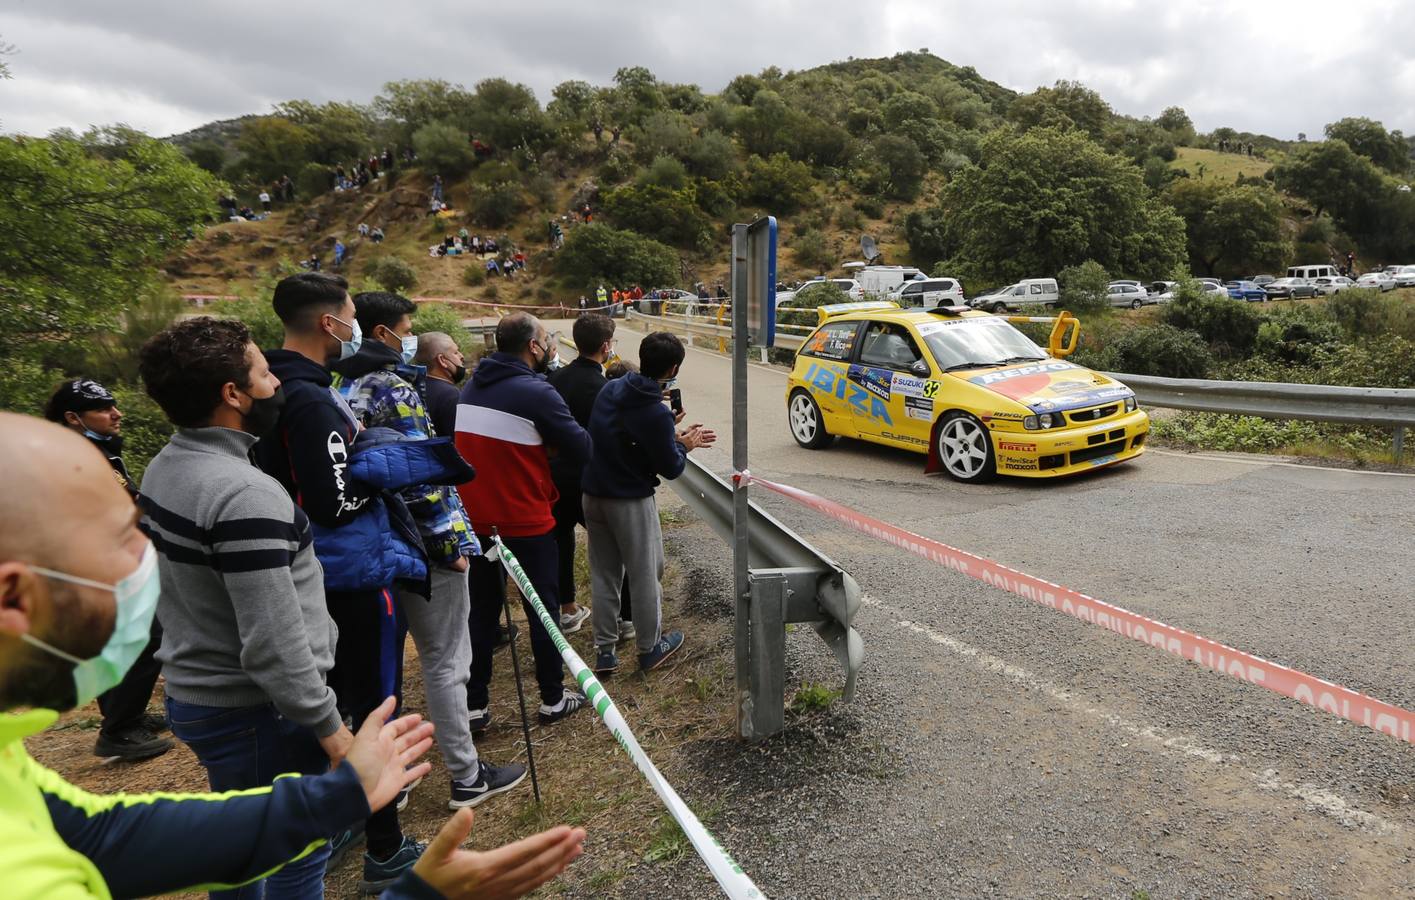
pixel 78 395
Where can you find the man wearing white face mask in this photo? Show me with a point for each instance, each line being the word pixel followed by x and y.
pixel 78 587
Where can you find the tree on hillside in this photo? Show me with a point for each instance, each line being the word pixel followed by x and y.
pixel 597 254
pixel 1332 177
pixel 665 213
pixel 272 146
pixel 1229 227
pixel 414 103
pixel 83 234
pixel 778 183
pixel 1050 198
pixel 571 102
pixel 443 149
pixel 342 131
pixel 1177 122
pixel 1370 139
pixel 1066 101
pixel 636 94
pixel 890 166
pixel 507 115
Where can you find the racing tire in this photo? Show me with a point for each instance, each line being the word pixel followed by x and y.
pixel 1136 304
pixel 999 308
pixel 806 423
pixel 964 448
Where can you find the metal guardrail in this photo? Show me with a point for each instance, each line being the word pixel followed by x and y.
pixel 707 330
pixel 1390 407
pixel 791 582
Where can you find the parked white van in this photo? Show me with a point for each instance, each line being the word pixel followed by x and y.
pixel 880 280
pixel 1312 272
pixel 1027 292
pixel 929 292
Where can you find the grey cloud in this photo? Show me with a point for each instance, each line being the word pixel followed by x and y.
pixel 170 66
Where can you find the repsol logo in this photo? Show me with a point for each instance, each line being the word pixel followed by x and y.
pixel 994 377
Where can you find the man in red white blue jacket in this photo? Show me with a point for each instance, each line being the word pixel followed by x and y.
pixel 509 421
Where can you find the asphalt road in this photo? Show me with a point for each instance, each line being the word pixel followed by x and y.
pixel 1000 748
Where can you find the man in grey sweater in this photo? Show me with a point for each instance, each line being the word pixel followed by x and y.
pixel 247 637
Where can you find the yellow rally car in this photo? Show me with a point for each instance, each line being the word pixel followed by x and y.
pixel 965 387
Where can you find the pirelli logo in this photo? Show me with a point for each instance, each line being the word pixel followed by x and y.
pixel 1011 445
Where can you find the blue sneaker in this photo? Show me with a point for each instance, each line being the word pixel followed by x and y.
pixel 490 781
pixel 666 647
pixel 342 843
pixel 402 802
pixel 379 875
pixel 606 663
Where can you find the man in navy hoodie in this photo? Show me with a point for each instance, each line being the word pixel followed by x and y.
pixel 635 444
pixel 308 452
pixel 509 422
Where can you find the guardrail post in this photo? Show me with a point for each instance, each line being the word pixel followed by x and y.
pixel 1399 444
pixel 764 713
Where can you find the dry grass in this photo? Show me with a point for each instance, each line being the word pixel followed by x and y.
pixel 585 778
pixel 1219 166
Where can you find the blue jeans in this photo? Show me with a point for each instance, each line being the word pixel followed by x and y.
pixel 246 747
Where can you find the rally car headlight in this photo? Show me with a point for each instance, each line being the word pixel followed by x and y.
pixel 1130 404
pixel 1037 423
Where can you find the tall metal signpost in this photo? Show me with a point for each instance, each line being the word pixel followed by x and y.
pixel 753 322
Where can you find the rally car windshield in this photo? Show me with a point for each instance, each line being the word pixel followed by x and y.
pixel 968 343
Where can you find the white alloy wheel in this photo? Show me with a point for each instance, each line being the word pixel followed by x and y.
pixel 804 417
pixel 965 448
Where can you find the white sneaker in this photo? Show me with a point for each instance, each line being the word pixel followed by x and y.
pixel 573 622
pixel 627 631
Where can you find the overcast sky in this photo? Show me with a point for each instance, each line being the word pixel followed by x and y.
pixel 1273 66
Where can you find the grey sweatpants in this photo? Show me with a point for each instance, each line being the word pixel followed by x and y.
pixel 625 538
pixel 439 630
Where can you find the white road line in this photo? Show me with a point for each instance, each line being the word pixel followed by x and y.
pixel 1312 796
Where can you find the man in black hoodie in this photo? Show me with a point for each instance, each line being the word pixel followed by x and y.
pixel 308 453
pixel 635 443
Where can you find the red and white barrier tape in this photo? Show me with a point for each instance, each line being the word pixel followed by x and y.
pixel 493 304
pixel 1309 689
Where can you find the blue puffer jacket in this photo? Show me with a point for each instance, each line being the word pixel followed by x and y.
pixel 383 545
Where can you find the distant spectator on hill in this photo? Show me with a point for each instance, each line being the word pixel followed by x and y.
pixel 265 199
pixel 437 188
pixel 387 160
pixel 338 253
pixel 376 235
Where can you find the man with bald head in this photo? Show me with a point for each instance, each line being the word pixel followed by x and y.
pixel 78 588
pixel 446 367
pixel 509 422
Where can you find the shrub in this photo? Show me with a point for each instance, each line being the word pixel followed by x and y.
pixel 597 253
pixel 870 207
pixel 1366 313
pixel 490 292
pixel 1229 326
pixel 1293 334
pixel 617 168
pixel 443 149
pixel 812 251
pixel 811 296
pixel 779 183
pixel 258 315
pixel 448 320
pixel 497 204
pixel 668 214
pixel 1083 288
pixel 1155 350
pixel 313 179
pixel 391 273
pixel 474 275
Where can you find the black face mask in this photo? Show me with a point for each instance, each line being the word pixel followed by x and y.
pixel 458 374
pixel 265 412
pixel 543 364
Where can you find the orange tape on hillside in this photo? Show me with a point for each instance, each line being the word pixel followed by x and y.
pixel 1309 689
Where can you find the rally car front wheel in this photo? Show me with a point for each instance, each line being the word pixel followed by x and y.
pixel 965 448
pixel 807 426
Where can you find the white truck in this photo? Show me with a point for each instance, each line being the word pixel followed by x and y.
pixel 1029 292
pixel 879 281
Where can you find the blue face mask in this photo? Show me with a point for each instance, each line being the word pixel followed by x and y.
pixel 410 348
pixel 95 436
pixel 351 346
pixel 136 596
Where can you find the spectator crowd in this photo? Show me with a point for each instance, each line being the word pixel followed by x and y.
pixel 319 503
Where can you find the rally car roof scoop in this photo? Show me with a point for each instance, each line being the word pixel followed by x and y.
pixel 950 310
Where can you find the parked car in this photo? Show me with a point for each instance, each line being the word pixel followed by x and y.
pixel 1333 285
pixel 850 286
pixel 1405 277
pixel 1246 290
pixel 929 292
pixel 1028 292
pixel 1290 289
pixel 1161 291
pixel 1312 271
pixel 1260 280
pixel 1128 281
pixel 1126 294
pixel 1379 281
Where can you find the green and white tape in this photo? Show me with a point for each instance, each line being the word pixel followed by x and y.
pixel 724 868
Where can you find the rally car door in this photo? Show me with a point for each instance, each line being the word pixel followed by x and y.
pixel 829 352
pixel 894 410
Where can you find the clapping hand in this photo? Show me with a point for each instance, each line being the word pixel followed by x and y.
pixel 383 753
pixel 695 436
pixel 505 872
